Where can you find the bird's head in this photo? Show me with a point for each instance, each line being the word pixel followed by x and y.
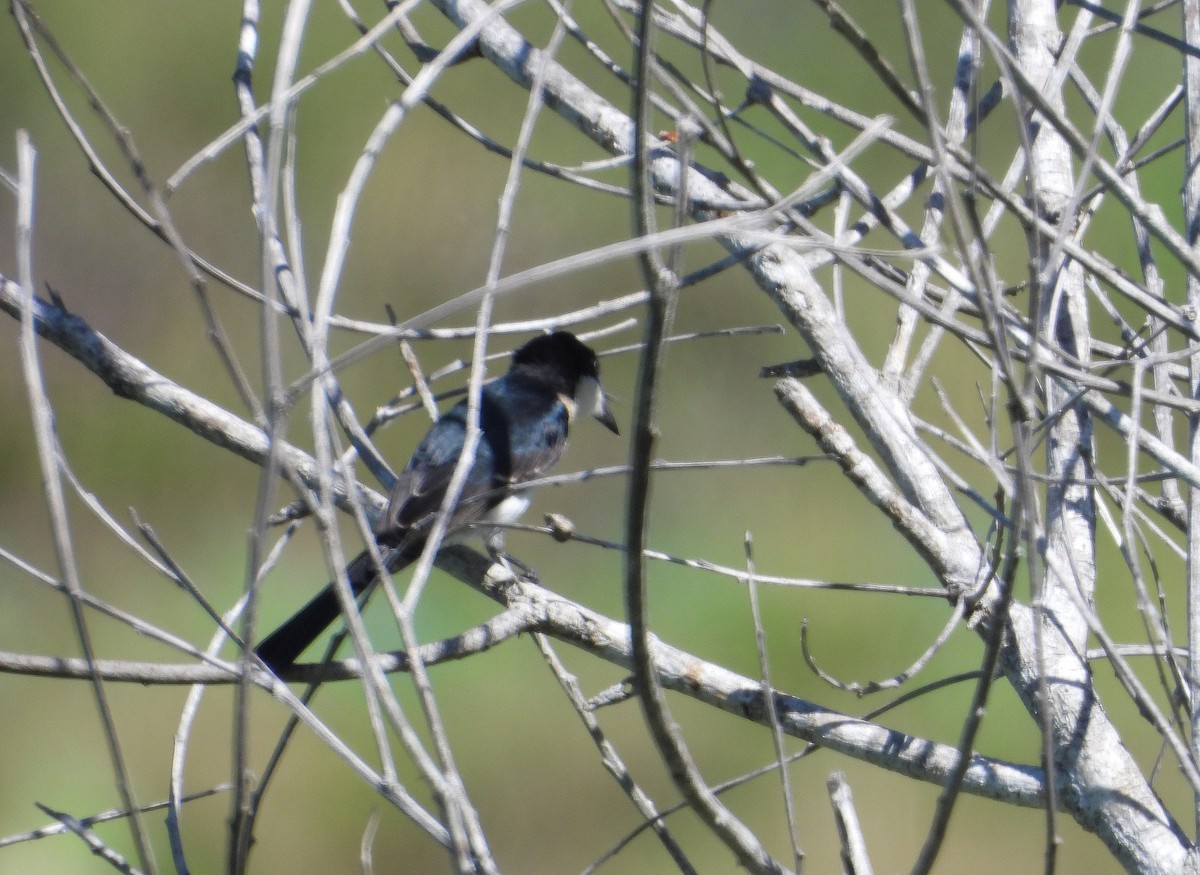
pixel 572 366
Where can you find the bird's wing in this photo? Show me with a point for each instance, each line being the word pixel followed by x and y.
pixel 524 435
pixel 422 485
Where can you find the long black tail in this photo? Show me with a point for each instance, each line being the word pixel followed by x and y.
pixel 283 647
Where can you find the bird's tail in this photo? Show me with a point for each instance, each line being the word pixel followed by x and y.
pixel 283 647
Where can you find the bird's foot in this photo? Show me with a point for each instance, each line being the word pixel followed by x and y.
pixel 516 569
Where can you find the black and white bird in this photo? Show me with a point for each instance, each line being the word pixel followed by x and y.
pixel 524 418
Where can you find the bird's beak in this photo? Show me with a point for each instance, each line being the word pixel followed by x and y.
pixel 591 399
pixel 605 415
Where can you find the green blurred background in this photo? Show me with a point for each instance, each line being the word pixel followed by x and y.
pixel 423 235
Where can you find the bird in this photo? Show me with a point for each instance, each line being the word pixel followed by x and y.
pixel 524 417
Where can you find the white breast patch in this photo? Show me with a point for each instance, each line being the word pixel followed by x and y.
pixel 510 509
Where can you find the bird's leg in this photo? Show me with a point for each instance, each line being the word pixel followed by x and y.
pixel 494 542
